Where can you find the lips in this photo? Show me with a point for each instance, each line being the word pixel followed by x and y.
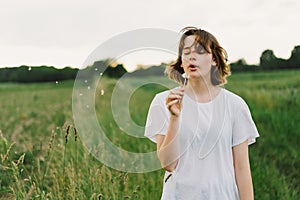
pixel 192 67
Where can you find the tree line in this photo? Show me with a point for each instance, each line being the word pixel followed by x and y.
pixel 268 61
pixel 28 74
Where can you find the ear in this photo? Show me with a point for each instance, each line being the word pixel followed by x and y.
pixel 213 62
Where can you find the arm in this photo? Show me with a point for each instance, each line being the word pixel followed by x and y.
pixel 242 171
pixel 167 146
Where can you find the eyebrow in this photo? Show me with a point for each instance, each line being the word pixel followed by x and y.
pixel 194 44
pixel 186 47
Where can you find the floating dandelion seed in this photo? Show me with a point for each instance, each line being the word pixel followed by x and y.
pixel 96 69
pixel 89 87
pixel 87 106
pixel 56 82
pixel 85 81
pixel 29 68
pixel 102 92
pixel 101 74
pixel 80 94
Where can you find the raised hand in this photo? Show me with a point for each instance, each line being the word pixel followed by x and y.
pixel 173 101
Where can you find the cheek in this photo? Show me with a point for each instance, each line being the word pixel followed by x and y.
pixel 206 61
pixel 209 60
pixel 184 61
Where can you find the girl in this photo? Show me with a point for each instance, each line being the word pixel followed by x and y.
pixel 202 130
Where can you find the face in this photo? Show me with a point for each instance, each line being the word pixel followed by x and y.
pixel 196 61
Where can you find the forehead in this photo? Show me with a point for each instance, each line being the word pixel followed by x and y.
pixel 189 41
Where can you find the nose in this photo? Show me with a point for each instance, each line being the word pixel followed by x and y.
pixel 189 58
pixel 192 57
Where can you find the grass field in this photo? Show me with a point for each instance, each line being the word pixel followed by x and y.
pixel 42 156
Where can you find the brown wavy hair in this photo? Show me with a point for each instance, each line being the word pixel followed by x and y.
pixel 211 45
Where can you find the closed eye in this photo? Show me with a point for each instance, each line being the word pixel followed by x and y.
pixel 186 52
pixel 200 49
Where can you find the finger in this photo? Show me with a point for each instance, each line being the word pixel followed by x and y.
pixel 180 93
pixel 175 96
pixel 172 109
pixel 177 91
pixel 172 103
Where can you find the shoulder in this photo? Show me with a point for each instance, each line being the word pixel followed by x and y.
pixel 235 101
pixel 161 97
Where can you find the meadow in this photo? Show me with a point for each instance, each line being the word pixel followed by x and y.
pixel 43 156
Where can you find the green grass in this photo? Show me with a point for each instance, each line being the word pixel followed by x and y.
pixel 38 163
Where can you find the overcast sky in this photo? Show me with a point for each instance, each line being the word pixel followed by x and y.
pixel 64 32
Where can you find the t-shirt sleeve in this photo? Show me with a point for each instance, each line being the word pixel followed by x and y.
pixel 244 127
pixel 157 119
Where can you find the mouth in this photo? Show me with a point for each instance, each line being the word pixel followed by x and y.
pixel 192 67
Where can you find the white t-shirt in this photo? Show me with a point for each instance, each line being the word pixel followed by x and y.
pixel 207 133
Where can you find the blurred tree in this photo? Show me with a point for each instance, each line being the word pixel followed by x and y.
pixel 150 71
pixel 267 59
pixel 241 65
pixel 28 74
pixel 115 72
pixel 294 60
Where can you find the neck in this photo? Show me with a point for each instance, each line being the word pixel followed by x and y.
pixel 201 90
pixel 199 86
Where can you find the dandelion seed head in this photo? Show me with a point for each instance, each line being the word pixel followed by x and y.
pixel 56 82
pixel 85 81
pixel 80 94
pixel 102 92
pixel 185 75
pixel 101 74
pixel 89 87
pixel 29 68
